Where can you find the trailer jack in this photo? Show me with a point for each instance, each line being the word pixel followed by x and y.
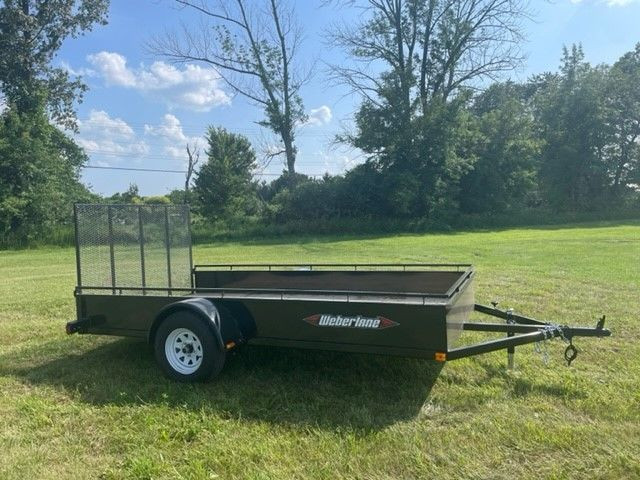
pixel 522 330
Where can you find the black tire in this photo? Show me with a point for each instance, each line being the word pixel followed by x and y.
pixel 187 328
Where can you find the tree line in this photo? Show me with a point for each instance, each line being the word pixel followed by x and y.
pixel 440 135
pixel 565 141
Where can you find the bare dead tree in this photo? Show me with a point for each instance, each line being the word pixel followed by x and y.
pixel 429 48
pixel 253 45
pixel 193 157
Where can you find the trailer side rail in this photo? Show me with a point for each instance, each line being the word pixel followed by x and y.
pixel 320 266
pixel 347 296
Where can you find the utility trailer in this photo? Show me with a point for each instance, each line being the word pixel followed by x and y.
pixel 135 278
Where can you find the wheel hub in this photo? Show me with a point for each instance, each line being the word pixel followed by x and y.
pixel 183 351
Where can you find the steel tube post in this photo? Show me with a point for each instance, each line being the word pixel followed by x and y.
pixel 190 247
pixel 77 236
pixel 494 312
pixel 511 350
pixel 493 345
pixel 519 328
pixel 111 249
pixel 168 244
pixel 141 239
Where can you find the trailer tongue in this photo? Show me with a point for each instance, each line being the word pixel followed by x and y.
pixel 136 278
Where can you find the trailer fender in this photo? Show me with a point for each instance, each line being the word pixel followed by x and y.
pixel 241 315
pixel 202 307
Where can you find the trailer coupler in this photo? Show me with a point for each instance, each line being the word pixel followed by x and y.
pixel 522 330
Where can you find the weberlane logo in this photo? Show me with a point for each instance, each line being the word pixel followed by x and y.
pixel 345 321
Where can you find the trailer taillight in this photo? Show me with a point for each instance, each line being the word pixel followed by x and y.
pixel 441 357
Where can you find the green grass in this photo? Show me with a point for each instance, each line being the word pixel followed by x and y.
pixel 97 407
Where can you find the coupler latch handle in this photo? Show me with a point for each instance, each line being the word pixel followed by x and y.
pixel 570 353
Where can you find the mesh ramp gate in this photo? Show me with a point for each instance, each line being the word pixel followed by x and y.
pixel 143 247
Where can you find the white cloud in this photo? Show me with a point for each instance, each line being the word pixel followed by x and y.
pixel 172 137
pixel 100 122
pixel 85 72
pixel 319 116
pixel 111 141
pixel 113 68
pixel 170 128
pixel 101 134
pixel 192 87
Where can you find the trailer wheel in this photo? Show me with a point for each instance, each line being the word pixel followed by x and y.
pixel 186 348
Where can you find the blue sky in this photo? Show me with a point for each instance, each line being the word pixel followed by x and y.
pixel 141 111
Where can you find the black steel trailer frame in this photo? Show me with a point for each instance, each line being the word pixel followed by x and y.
pixel 412 309
pixel 521 330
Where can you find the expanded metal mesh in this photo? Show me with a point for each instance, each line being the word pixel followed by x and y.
pixel 125 246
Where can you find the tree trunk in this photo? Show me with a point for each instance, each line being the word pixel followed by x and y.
pixel 424 61
pixel 290 152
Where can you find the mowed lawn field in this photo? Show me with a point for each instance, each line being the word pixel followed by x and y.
pixel 97 407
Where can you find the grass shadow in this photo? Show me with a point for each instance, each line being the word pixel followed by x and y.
pixel 326 389
pixel 525 386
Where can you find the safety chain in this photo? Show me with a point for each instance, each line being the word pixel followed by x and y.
pixel 549 331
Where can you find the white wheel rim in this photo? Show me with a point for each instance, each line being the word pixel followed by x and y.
pixel 183 350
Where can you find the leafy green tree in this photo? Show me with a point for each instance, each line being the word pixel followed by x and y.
pixel 414 62
pixel 424 160
pixel 179 195
pixel 224 184
pixel 157 200
pixel 130 195
pixel 306 199
pixel 39 175
pixel 286 181
pixel 364 191
pixel 40 165
pixel 31 33
pixel 504 175
pixel 572 118
pixel 622 153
